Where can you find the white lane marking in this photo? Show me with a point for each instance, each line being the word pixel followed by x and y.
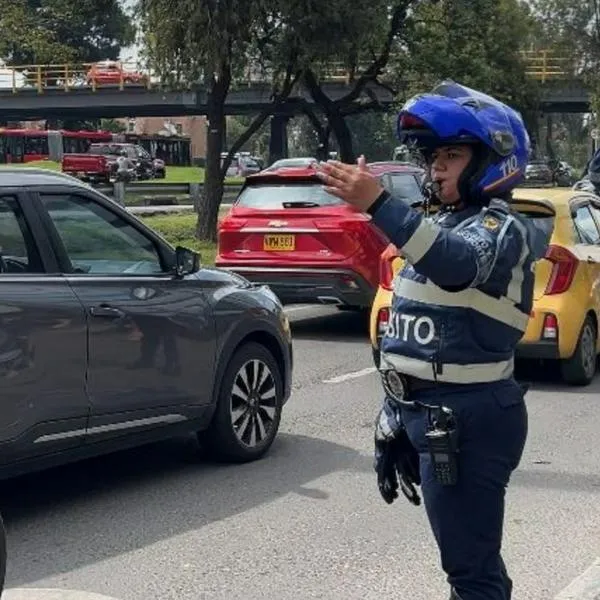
pixel 289 309
pixel 584 587
pixel 50 594
pixel 353 375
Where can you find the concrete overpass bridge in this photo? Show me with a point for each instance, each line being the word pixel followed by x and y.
pixel 114 90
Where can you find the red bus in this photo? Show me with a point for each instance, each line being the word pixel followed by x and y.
pixel 27 145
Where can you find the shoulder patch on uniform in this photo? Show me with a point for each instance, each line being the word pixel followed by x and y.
pixel 490 223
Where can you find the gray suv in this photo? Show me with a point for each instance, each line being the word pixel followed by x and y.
pixel 110 337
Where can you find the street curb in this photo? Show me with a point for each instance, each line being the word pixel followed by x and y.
pixel 584 587
pixel 50 594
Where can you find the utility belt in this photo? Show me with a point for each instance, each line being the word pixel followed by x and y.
pixel 401 387
pixel 441 430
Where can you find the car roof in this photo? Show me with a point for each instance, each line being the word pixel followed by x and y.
pixel 310 171
pixel 393 166
pixel 21 176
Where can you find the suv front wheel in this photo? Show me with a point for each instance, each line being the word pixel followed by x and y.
pixel 249 406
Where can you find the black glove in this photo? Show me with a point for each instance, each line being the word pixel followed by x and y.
pixel 396 460
pixel 397 465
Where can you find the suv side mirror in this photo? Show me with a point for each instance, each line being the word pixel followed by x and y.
pixel 186 261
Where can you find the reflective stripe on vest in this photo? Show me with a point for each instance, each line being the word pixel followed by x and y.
pixel 452 373
pixel 500 309
pixel 421 241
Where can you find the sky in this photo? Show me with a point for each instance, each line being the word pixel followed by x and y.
pixel 131 52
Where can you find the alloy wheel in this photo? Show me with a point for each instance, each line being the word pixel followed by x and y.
pixel 253 403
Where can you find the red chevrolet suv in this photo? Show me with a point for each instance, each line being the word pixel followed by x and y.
pixel 286 231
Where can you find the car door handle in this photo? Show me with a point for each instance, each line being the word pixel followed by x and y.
pixel 104 310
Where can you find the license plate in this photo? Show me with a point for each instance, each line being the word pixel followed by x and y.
pixel 281 243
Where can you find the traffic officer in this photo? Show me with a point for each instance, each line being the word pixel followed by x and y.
pixel 460 305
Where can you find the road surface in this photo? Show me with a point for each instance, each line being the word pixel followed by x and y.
pixel 307 521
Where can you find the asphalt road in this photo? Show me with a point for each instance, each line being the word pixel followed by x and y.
pixel 306 522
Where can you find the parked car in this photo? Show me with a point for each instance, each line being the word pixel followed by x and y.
pixel 538 172
pixel 286 231
pixel 563 327
pixel 110 337
pixel 241 165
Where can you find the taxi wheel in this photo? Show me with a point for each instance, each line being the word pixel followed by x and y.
pixel 581 367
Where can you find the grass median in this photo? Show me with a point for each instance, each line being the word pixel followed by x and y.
pixel 173 174
pixel 180 230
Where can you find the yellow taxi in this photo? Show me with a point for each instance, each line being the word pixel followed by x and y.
pixel 563 325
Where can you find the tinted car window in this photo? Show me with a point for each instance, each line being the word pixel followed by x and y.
pixel 98 241
pixel 404 186
pixel 18 253
pixel 269 196
pixel 586 226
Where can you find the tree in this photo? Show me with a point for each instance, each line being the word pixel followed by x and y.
pixel 55 31
pixel 209 42
pixel 477 43
pixel 320 35
pixel 571 29
pixel 25 41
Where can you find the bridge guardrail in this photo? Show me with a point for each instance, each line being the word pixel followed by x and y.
pixel 541 65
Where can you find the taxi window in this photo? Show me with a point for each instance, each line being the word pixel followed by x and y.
pixel 586 226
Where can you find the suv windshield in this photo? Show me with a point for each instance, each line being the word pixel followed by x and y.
pixel 272 195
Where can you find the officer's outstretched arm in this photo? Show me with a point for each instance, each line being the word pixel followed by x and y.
pixel 452 260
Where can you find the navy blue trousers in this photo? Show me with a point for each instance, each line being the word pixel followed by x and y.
pixel 467 519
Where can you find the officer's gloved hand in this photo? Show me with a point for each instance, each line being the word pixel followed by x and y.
pixel 396 460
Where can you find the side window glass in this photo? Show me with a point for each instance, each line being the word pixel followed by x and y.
pixel 596 212
pixel 18 252
pixel 98 241
pixel 586 226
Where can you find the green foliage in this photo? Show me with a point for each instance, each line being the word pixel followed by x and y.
pixel 571 28
pixel 25 41
pixel 57 31
pixel 477 43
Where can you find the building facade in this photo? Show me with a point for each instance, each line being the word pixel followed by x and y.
pixel 192 127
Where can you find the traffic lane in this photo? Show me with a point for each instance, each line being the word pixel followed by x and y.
pixel 327 342
pixel 307 521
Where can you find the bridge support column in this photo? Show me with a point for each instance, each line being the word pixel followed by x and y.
pixel 278 143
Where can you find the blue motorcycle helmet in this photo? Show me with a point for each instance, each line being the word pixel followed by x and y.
pixel 453 114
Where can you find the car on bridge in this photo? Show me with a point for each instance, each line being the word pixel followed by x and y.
pixel 286 231
pixel 113 72
pixel 110 337
pixel 564 323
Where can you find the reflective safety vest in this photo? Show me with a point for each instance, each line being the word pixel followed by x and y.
pixel 463 299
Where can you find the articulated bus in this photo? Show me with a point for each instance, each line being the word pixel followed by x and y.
pixel 28 145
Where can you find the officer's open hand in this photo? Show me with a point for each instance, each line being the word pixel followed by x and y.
pixel 352 183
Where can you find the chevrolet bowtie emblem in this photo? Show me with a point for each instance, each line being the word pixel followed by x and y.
pixel 277 223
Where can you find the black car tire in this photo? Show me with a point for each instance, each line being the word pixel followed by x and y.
pixel 262 406
pixel 580 369
pixel 2 555
pixel 376 356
